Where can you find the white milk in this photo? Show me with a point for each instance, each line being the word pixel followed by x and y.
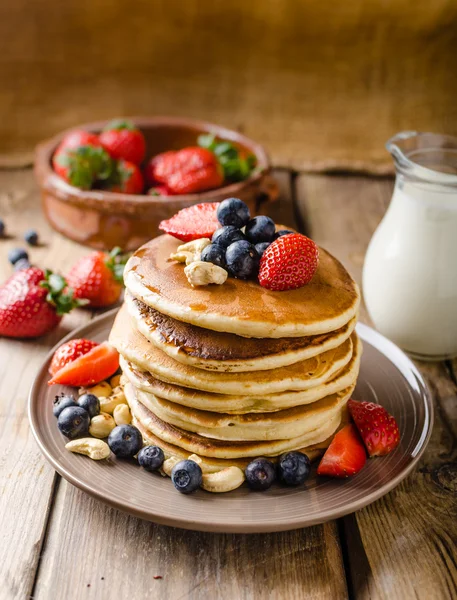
pixel 410 271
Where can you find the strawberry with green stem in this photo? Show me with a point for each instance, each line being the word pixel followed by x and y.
pixel 83 166
pixel 237 165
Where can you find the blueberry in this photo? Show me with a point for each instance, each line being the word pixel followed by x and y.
pixel 225 236
pixel 151 458
pixel 282 232
pixel 2 228
pixel 261 247
pixel 91 403
pixel 260 229
pixel 242 260
pixel 186 476
pixel 125 441
pixel 233 211
pixel 260 474
pixel 293 468
pixel 62 401
pixel 214 254
pixel 31 237
pixel 74 422
pixel 17 254
pixel 22 264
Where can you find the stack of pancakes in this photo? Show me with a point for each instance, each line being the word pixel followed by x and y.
pixel 233 372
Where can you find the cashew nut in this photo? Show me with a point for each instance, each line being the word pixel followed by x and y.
pixel 225 480
pixel 122 414
pixel 101 390
pixel 94 449
pixel 108 405
pixel 101 425
pixel 191 251
pixel 115 380
pixel 168 464
pixel 204 273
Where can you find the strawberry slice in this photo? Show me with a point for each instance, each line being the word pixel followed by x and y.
pixel 378 428
pixel 193 223
pixel 68 352
pixel 90 368
pixel 345 456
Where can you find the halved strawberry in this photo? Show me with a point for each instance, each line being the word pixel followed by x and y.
pixel 378 428
pixel 193 223
pixel 95 366
pixel 68 352
pixel 345 456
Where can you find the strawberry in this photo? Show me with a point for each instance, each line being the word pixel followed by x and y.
pixel 345 456
pixel 79 137
pixel 32 303
pixel 127 178
pixel 288 263
pixel 159 190
pixel 83 165
pixel 123 140
pixel 90 368
pixel 197 221
pixel 160 167
pixel 187 171
pixel 98 277
pixel 68 352
pixel 378 428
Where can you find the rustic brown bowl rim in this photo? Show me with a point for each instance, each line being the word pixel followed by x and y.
pixel 54 184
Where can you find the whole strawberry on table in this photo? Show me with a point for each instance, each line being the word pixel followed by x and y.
pixel 115 161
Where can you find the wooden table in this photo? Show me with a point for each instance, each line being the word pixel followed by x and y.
pixel 58 543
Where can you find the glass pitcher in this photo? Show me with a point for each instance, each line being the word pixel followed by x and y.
pixel 410 270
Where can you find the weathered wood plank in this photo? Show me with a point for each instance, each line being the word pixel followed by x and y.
pixel 115 553
pixel 26 480
pixel 403 545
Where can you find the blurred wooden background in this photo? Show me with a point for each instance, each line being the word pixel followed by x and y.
pixel 321 84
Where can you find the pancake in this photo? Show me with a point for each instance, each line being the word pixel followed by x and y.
pixel 300 376
pixel 282 424
pixel 236 404
pixel 202 446
pixel 241 307
pixel 217 351
pixel 213 465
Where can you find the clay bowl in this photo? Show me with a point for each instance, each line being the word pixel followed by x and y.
pixel 103 220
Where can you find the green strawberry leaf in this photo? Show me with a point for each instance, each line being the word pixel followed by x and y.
pixel 116 262
pixel 206 140
pixel 59 294
pixel 118 124
pixel 235 167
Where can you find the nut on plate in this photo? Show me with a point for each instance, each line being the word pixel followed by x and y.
pixel 191 251
pixel 225 480
pixel 203 273
pixel 108 405
pixel 115 380
pixel 94 449
pixel 101 425
pixel 122 414
pixel 168 464
pixel 101 390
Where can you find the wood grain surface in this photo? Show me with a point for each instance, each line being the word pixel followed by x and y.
pixel 321 84
pixel 56 542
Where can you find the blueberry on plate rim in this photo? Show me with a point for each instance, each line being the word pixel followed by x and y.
pixel 151 458
pixel 62 401
pixel 242 260
pixel 214 254
pixel 260 474
pixel 186 476
pixel 233 211
pixel 91 403
pixel 74 422
pixel 293 468
pixel 224 236
pixel 260 229
pixel 125 441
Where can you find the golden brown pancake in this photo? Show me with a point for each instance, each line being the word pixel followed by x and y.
pixel 244 308
pixel 194 443
pixel 217 351
pixel 302 375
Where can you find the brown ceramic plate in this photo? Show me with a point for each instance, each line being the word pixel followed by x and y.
pixel 387 376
